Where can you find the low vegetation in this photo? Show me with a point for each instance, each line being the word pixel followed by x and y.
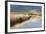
pixel 19 18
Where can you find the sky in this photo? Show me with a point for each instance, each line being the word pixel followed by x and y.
pixel 24 8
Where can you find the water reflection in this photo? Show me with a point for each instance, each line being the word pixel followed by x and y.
pixel 33 22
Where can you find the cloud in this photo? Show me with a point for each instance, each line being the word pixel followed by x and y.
pixel 37 11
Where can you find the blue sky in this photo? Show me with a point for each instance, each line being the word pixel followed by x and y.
pixel 24 8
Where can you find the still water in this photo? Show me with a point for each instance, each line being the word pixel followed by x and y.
pixel 31 23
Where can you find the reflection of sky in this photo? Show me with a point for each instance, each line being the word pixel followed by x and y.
pixel 31 23
pixel 23 8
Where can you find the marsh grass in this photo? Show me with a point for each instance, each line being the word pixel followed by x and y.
pixel 21 19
